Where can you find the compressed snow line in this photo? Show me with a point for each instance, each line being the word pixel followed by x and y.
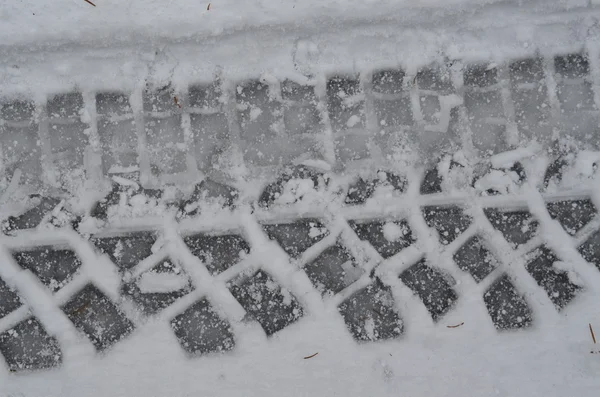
pixel 154 282
pixel 417 319
pixel 275 262
pixel 440 257
pixel 508 158
pixel 148 263
pixel 544 312
pixel 410 305
pixel 214 289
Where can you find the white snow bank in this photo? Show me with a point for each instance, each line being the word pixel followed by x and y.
pixel 59 21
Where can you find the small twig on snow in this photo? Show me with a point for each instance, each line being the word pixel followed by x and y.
pixel 455 326
pixel 80 309
pixel 89 2
pixel 311 356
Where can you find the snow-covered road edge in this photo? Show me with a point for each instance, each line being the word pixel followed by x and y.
pixel 35 24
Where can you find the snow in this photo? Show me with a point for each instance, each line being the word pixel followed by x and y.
pixel 154 282
pixel 295 190
pixel 571 271
pixel 558 363
pixel 317 164
pixel 353 121
pixel 136 206
pixel 499 180
pixel 392 231
pixel 316 231
pixel 508 158
pixel 580 170
pixel 551 359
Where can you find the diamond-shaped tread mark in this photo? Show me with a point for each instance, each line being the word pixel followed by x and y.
pixel 554 172
pixel 432 182
pixel 432 287
pixel 217 252
pixel 475 258
pixel 31 218
pixel 266 302
pixel 388 238
pixel 27 346
pixel 572 214
pixel 54 267
pixel 507 308
pixel 517 227
pixel 590 249
pixel 370 315
pixel 97 317
pixel 126 251
pixel 333 270
pixel 449 222
pixel 362 189
pixel 158 287
pixel 297 237
pixel 9 300
pixel 556 283
pixel 200 330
